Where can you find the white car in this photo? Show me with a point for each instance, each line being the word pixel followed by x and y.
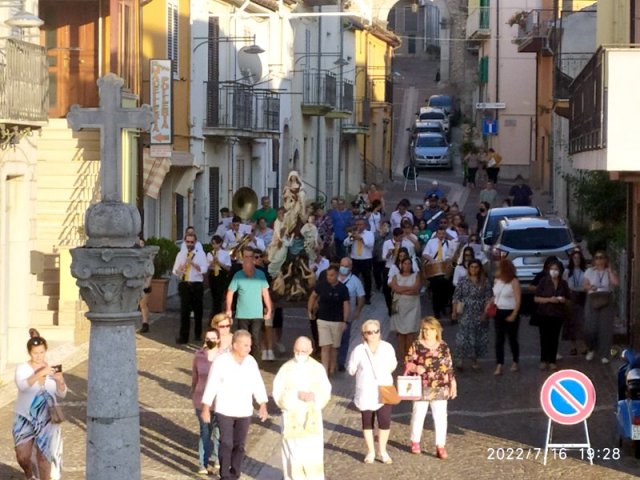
pixel 434 115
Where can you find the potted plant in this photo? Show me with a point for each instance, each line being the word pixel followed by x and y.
pixel 162 264
pixel 518 18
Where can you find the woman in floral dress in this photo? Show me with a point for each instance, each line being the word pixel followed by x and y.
pixel 472 293
pixel 430 358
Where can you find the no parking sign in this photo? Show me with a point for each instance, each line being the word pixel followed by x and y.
pixel 568 398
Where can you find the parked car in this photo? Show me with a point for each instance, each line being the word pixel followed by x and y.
pixel 434 114
pixel 428 126
pixel 528 241
pixel 445 102
pixel 489 231
pixel 432 150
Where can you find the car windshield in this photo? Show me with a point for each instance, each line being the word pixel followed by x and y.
pixel 440 101
pixel 491 227
pixel 431 141
pixel 432 116
pixel 536 238
pixel 430 128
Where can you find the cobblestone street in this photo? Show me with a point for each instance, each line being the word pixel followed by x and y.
pixel 490 413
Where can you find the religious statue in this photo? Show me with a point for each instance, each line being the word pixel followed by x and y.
pixel 294 240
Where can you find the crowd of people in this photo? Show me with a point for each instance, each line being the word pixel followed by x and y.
pixel 412 251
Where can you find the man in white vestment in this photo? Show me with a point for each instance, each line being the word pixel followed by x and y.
pixel 302 389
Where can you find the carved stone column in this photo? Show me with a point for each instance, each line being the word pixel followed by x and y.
pixel 111 272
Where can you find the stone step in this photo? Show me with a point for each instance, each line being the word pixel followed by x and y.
pixel 56 333
pixel 47 289
pixel 44 302
pixel 44 317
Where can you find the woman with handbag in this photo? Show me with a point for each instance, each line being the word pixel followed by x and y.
pixel 406 311
pixel 373 362
pixel 37 414
pixel 430 358
pixel 469 301
pixel 551 297
pixel 507 296
pixel 574 276
pixel 598 282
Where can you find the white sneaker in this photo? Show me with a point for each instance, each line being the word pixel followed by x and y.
pixel 604 360
pixel 264 354
pixel 589 355
pixel 270 356
pixel 558 357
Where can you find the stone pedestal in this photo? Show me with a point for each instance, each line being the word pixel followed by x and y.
pixel 111 280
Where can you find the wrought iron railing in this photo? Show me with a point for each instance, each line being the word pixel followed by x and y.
pixel 319 88
pixel 588 112
pixel 238 106
pixel 24 82
pixel 360 115
pixel 347 96
pixel 567 67
pixel 535 24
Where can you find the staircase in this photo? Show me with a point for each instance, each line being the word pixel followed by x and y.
pixel 67 183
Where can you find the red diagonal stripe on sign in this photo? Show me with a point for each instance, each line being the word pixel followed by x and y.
pixel 568 397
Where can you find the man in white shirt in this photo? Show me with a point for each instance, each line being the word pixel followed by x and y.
pixel 356 303
pixel 237 230
pixel 319 264
pixel 361 242
pixel 233 384
pixel 225 220
pixel 190 231
pixel 438 250
pixel 190 266
pixel 401 213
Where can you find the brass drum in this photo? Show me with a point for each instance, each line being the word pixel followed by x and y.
pixel 432 269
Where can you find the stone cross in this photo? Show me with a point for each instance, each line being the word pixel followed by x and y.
pixel 111 118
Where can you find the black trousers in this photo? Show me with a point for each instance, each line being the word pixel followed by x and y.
pixel 233 435
pixel 440 294
pixel 471 175
pixel 506 329
pixel 379 277
pixel 386 290
pixel 190 301
pixel 218 287
pixel 550 328
pixel 254 327
pixel 362 268
pixel 492 173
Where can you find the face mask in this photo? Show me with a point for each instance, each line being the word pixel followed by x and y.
pixel 301 357
pixel 344 271
pixel 211 344
pixel 554 273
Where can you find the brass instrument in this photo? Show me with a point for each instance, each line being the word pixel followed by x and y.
pixel 244 203
pixel 236 252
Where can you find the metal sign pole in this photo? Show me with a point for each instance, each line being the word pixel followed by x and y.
pixel 567 446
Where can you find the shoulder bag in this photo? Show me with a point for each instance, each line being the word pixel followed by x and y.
pixel 387 394
pixel 55 411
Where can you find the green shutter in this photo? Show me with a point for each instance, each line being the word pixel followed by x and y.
pixel 484 70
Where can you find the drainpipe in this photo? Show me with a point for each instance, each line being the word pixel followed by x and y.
pixel 341 80
pixel 318 119
pixel 497 57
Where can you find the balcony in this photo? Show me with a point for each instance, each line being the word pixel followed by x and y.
pixel 478 26
pixel 567 67
pixel 318 93
pixel 534 29
pixel 602 118
pixel 345 108
pixel 24 85
pixel 359 120
pixel 238 110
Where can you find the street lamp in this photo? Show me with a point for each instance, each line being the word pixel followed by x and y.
pixel 22 19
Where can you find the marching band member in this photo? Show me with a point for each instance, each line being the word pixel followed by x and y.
pixel 219 266
pixel 439 250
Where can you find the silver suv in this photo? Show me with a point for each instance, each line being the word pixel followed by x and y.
pixel 528 241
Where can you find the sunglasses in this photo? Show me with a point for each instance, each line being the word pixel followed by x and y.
pixel 36 341
pixel 228 325
pixel 371 332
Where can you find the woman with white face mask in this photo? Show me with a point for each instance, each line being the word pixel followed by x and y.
pixel 551 298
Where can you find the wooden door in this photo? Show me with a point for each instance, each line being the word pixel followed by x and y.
pixel 70 36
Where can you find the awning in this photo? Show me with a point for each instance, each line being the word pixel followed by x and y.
pixel 154 171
